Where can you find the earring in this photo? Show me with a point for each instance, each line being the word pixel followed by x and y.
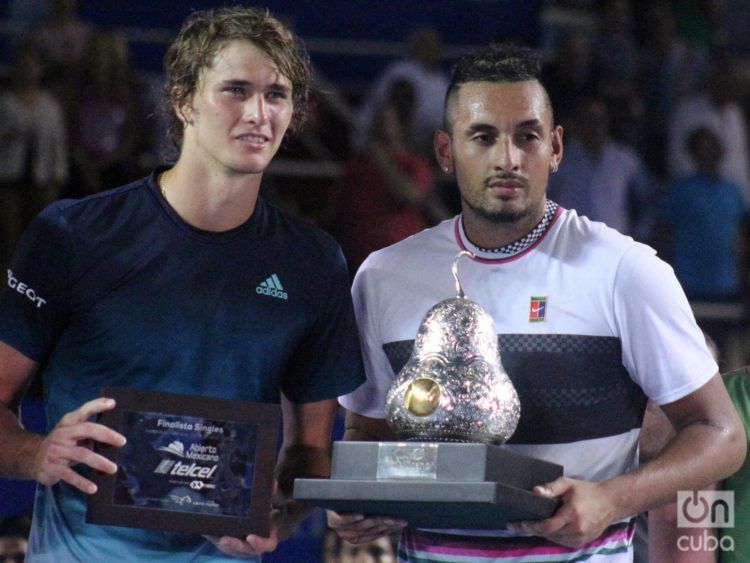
pixel 554 167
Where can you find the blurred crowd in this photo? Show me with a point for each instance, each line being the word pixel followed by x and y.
pixel 654 106
pixel 653 97
pixel 72 117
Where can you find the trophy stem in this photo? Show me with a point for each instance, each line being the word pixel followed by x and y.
pixel 459 290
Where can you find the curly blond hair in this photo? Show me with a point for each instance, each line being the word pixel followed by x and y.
pixel 206 32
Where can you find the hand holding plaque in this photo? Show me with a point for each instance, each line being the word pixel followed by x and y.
pixel 454 404
pixel 190 464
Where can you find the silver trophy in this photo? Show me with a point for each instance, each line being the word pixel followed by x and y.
pixel 454 387
pixel 453 405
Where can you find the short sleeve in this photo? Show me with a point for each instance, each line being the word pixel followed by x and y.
pixel 664 350
pixel 34 301
pixel 369 398
pixel 329 362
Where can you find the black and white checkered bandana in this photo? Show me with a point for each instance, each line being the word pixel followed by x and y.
pixel 530 238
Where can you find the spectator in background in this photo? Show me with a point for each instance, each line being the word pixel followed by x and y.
pixel 717 109
pixel 104 134
pixel 616 69
pixel 703 214
pixel 616 55
pixel 699 20
pixel 422 70
pixel 669 69
pixel 601 178
pixel 14 535
pixel 385 192
pixel 734 21
pixel 33 148
pixel 61 40
pixel 570 76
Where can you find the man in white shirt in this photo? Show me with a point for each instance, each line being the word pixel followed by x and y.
pixel 616 328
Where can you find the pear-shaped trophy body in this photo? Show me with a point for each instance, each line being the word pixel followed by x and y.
pixel 454 387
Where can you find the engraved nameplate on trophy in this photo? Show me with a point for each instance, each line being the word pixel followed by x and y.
pixel 397 460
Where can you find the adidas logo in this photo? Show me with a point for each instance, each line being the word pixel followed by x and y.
pixel 272 287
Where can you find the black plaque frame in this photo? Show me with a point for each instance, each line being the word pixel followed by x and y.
pixel 265 417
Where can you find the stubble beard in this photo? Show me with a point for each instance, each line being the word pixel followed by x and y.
pixel 500 217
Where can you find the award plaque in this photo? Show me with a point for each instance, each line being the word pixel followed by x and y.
pixel 190 464
pixel 452 406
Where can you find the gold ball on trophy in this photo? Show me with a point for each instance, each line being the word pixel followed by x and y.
pixel 422 396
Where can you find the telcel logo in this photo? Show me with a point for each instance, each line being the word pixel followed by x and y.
pixel 171 467
pixel 705 509
pixel 24 289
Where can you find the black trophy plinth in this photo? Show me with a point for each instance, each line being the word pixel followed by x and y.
pixel 434 485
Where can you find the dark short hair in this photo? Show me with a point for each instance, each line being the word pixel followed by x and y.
pixel 206 32
pixel 504 62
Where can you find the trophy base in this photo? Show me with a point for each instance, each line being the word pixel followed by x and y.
pixel 434 485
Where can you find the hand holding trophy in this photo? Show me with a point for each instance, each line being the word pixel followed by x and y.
pixel 453 404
